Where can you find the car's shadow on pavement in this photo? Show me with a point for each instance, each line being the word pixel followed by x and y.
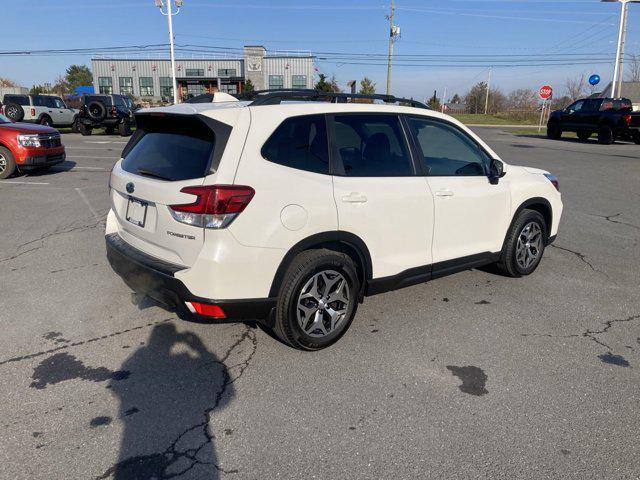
pixel 174 384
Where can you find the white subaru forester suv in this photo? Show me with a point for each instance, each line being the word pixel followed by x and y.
pixel 290 212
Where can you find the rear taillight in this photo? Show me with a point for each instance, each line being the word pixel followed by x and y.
pixel 33 112
pixel 113 111
pixel 216 206
pixel 627 119
pixel 553 179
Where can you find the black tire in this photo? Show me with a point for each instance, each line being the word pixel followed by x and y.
pixel 7 163
pixel 96 111
pixel 318 264
pixel 605 135
pixel 84 130
pixel 13 112
pixel 511 263
pixel 583 135
pixel 109 130
pixel 46 121
pixel 75 126
pixel 636 138
pixel 554 132
pixel 124 128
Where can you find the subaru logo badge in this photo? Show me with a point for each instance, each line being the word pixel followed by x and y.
pixel 131 187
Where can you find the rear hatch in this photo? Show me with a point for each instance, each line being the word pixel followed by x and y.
pixel 167 153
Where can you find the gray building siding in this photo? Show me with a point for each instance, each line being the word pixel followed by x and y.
pixel 300 68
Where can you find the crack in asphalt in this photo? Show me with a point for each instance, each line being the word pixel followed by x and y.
pixel 160 462
pixel 46 236
pixel 81 342
pixel 581 256
pixel 610 218
pixel 589 334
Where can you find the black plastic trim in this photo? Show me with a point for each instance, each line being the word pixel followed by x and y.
pixel 155 278
pixel 316 241
pixel 414 276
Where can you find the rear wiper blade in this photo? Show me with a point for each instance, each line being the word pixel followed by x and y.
pixel 151 173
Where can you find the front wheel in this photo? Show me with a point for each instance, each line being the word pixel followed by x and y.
pixel 636 138
pixel 7 163
pixel 317 300
pixel 124 129
pixel 554 132
pixel 525 244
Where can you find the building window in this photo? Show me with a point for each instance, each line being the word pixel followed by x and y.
pixel 276 82
pixel 194 72
pixel 166 87
pixel 126 86
pixel 230 88
pixel 227 72
pixel 105 85
pixel 298 81
pixel 146 86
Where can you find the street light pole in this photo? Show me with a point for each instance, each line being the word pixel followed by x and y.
pixel 390 57
pixel 617 69
pixel 169 13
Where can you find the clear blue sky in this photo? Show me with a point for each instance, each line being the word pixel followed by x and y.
pixel 575 31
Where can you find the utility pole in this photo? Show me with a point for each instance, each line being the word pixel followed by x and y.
pixel 617 70
pixel 486 101
pixel 394 31
pixel 169 14
pixel 444 99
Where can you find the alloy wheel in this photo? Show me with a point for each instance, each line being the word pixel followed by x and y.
pixel 3 163
pixel 323 303
pixel 529 246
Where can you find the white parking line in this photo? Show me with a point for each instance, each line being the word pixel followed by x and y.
pixel 86 200
pixel 99 169
pixel 22 183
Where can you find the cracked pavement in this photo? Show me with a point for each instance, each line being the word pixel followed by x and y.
pixel 470 376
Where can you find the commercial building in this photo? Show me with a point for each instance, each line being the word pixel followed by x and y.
pixel 150 79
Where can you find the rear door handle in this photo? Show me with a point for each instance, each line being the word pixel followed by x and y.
pixel 444 193
pixel 354 197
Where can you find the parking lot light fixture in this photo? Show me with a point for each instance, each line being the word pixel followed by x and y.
pixel 617 69
pixel 169 13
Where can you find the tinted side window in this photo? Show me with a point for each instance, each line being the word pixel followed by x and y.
pixel 300 142
pixel 17 99
pixel 372 145
pixel 447 151
pixel 576 107
pixel 38 101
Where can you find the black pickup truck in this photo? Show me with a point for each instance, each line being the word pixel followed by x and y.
pixel 610 118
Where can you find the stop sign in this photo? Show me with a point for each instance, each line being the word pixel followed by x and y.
pixel 545 92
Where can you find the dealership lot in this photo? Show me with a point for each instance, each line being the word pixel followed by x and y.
pixel 471 376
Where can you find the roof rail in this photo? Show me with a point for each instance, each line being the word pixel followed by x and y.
pixel 275 97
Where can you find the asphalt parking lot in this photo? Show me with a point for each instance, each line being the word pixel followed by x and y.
pixel 471 376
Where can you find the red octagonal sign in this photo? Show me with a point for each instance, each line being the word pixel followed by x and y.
pixel 545 92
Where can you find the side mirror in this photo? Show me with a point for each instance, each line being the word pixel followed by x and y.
pixel 496 171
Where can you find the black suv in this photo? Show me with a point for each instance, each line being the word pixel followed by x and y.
pixel 610 118
pixel 108 111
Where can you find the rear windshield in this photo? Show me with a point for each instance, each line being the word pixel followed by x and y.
pixel 170 149
pixel 104 99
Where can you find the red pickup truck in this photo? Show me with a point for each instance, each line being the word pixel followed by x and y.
pixel 27 146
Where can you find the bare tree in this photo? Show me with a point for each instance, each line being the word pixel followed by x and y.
pixel 633 68
pixel 5 82
pixel 576 87
pixel 522 99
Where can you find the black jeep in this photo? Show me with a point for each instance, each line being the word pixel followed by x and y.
pixel 108 111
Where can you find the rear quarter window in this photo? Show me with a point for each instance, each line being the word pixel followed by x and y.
pixel 170 149
pixel 301 143
pixel 17 99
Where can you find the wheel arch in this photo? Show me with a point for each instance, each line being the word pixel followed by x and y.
pixel 538 204
pixel 339 241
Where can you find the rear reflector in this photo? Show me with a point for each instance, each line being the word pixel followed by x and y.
pixel 208 310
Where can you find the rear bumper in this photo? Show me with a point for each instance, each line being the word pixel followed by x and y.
pixel 155 278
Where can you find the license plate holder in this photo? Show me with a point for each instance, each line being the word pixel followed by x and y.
pixel 136 212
